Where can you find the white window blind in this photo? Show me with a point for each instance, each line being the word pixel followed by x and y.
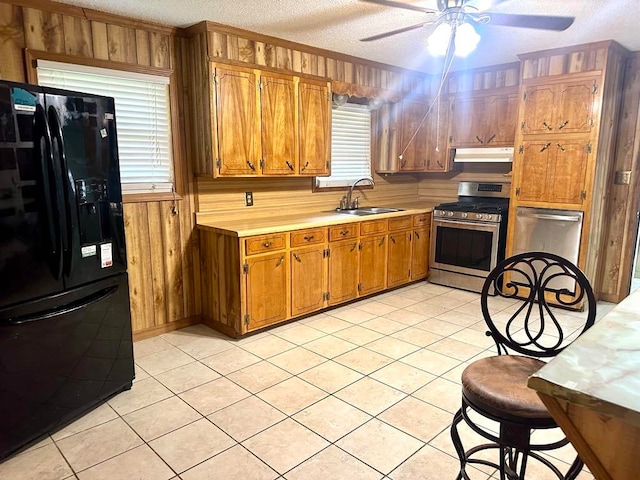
pixel 142 119
pixel 350 145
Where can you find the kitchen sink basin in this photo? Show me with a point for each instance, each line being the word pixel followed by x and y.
pixel 367 210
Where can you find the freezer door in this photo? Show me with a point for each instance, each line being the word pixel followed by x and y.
pixel 57 364
pixel 30 240
pixel 84 145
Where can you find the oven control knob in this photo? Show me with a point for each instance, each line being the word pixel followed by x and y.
pixel 479 216
pixel 464 215
pixel 489 217
pixel 449 214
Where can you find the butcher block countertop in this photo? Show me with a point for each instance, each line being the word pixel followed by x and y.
pixel 246 226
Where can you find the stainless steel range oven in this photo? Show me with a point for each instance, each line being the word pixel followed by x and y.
pixel 469 236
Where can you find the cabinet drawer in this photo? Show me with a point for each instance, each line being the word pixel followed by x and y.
pixel 343 232
pixel 311 236
pixel 422 220
pixel 400 223
pixel 265 243
pixel 373 226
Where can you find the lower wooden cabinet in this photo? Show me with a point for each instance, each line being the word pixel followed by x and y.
pixel 420 253
pixel 344 266
pixel 266 289
pixel 308 280
pixel 253 282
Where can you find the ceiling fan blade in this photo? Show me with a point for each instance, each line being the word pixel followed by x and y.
pixel 542 22
pixel 393 32
pixel 406 6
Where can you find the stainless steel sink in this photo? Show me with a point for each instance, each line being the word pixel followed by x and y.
pixel 367 210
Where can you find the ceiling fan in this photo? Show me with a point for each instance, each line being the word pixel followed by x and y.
pixel 460 12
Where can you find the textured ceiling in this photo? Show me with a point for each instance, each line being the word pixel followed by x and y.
pixel 338 25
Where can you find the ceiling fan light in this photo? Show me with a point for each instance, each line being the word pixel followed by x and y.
pixel 466 40
pixel 438 41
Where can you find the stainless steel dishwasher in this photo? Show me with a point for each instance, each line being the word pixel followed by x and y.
pixel 549 230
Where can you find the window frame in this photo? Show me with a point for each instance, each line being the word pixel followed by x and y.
pixel 32 57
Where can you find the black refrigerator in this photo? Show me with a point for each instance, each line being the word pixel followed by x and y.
pixel 65 323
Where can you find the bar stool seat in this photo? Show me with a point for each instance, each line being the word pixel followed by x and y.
pixel 498 385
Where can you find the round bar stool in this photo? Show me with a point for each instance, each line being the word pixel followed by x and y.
pixel 526 302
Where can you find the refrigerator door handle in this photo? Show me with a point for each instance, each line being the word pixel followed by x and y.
pixel 68 187
pixel 85 302
pixel 44 151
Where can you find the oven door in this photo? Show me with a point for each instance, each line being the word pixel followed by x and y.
pixel 466 247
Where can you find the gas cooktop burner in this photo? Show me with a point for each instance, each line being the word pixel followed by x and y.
pixel 475 207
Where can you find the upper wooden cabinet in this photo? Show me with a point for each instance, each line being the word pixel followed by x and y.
pixel 314 128
pixel 483 120
pixel 266 123
pixel 564 107
pixel 406 127
pixel 553 171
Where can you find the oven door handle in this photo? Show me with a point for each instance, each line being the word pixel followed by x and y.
pixel 493 226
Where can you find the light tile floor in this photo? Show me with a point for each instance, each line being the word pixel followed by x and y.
pixel 365 391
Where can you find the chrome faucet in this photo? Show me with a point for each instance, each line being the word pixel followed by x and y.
pixel 351 204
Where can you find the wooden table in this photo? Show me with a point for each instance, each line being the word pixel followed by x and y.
pixel 592 390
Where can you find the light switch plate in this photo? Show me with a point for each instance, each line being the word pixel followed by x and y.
pixel 623 177
pixel 248 199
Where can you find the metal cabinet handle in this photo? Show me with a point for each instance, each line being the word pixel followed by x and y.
pixel 544 147
pixel 391 238
pixel 267 244
pixel 280 261
pixel 297 258
pixel 563 124
pixel 549 127
pixel 560 147
pixel 491 138
pixel 251 165
pixel 344 232
pixel 417 235
pixel 304 167
pixel 308 238
pixel 289 165
pixel 354 247
pixel 479 139
pixel 381 242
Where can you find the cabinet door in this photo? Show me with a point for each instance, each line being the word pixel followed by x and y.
pixel 420 253
pixel 538 109
pixel 315 128
pixel 399 258
pixel 502 116
pixel 413 144
pixel 277 110
pixel 238 123
pixel 574 107
pixel 373 263
pixel 438 128
pixel 533 166
pixel 467 126
pixel 308 280
pixel 343 271
pixel 567 174
pixel 266 290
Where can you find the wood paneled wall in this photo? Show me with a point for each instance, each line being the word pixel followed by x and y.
pixel 622 220
pixel 162 255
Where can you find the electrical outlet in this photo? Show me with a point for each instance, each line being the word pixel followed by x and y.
pixel 248 199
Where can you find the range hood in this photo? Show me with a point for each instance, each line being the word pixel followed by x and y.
pixel 484 154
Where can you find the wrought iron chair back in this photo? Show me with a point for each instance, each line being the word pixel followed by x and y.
pixel 537 323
